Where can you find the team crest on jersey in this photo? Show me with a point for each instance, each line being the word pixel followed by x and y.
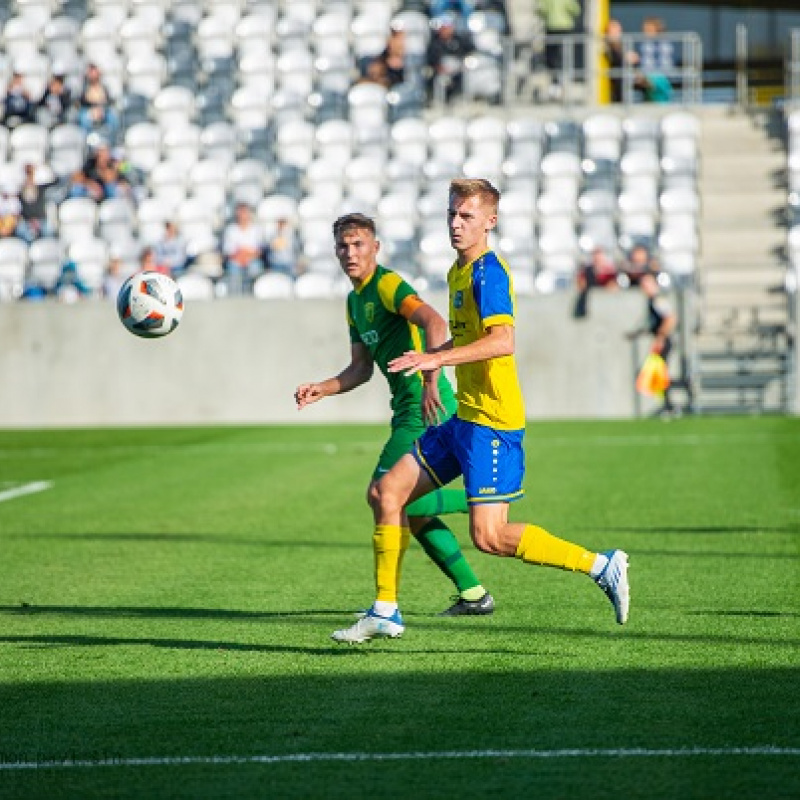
pixel 458 299
pixel 369 311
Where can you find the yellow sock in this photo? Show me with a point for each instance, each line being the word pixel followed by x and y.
pixel 537 546
pixel 389 543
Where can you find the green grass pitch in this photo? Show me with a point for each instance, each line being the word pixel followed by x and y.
pixel 171 595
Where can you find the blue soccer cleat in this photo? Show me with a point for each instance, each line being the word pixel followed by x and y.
pixel 371 626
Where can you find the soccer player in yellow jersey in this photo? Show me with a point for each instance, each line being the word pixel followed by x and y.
pixel 386 318
pixel 483 441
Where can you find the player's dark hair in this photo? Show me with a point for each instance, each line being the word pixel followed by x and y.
pixel 470 187
pixel 352 222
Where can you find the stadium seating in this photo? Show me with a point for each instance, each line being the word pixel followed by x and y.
pixel 211 117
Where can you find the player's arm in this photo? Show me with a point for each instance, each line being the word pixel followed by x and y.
pixel 497 341
pixel 356 373
pixel 433 325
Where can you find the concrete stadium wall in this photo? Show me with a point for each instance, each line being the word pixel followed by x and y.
pixel 794 400
pixel 239 361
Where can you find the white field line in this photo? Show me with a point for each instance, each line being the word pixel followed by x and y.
pixel 293 758
pixel 532 442
pixel 26 488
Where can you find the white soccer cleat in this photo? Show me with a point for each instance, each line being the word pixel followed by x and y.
pixel 371 626
pixel 613 580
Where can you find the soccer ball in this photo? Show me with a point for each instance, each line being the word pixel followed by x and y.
pixel 150 304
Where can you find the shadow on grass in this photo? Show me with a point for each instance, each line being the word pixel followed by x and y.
pixel 713 554
pixel 166 612
pixel 746 613
pixel 195 538
pixel 695 529
pixel 486 627
pixel 408 712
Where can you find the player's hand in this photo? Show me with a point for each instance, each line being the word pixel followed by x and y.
pixel 433 411
pixel 412 361
pixel 307 394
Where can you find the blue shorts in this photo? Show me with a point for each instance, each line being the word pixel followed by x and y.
pixel 491 461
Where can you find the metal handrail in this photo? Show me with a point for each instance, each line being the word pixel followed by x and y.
pixel 687 74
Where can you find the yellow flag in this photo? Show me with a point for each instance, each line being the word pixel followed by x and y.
pixel 653 377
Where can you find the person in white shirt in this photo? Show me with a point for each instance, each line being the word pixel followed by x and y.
pixel 171 250
pixel 243 246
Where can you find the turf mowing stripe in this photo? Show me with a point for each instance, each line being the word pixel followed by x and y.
pixel 653 440
pixel 26 488
pixel 174 761
pixel 329 448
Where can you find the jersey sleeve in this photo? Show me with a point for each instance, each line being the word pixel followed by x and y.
pixel 354 335
pixel 491 287
pixel 392 290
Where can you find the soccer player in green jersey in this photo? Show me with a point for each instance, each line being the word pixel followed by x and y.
pixel 386 318
pixel 483 441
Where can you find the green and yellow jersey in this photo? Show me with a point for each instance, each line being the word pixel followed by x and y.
pixel 482 295
pixel 377 314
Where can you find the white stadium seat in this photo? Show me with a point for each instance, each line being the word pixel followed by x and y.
pixel 273 286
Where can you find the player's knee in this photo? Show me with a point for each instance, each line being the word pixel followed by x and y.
pixel 382 499
pixel 374 495
pixel 487 539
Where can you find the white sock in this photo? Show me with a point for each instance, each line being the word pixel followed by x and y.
pixel 599 565
pixel 384 608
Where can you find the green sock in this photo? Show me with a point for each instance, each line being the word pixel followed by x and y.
pixel 442 501
pixel 440 544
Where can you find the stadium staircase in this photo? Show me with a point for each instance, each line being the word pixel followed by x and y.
pixel 743 339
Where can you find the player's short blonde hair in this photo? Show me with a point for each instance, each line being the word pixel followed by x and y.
pixel 480 187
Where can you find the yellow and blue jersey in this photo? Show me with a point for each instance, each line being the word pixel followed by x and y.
pixel 481 296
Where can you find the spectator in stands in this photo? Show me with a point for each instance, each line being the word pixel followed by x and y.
pixel 33 198
pixel 94 92
pixel 96 113
pixel 561 18
pixel 654 86
pixel 656 54
pixel 56 103
pixel 615 56
pixel 134 176
pixel 114 277
pixel 243 248
pixel 79 185
pixel 639 263
pixel 70 287
pixel 599 273
pixel 654 59
pixel 102 168
pixel 461 7
pixel 148 262
pixel 283 249
pixel 171 250
pixel 18 108
pixel 376 71
pixel 10 213
pixel 394 57
pixel 445 57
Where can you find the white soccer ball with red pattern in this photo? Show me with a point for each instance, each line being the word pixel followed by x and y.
pixel 150 304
